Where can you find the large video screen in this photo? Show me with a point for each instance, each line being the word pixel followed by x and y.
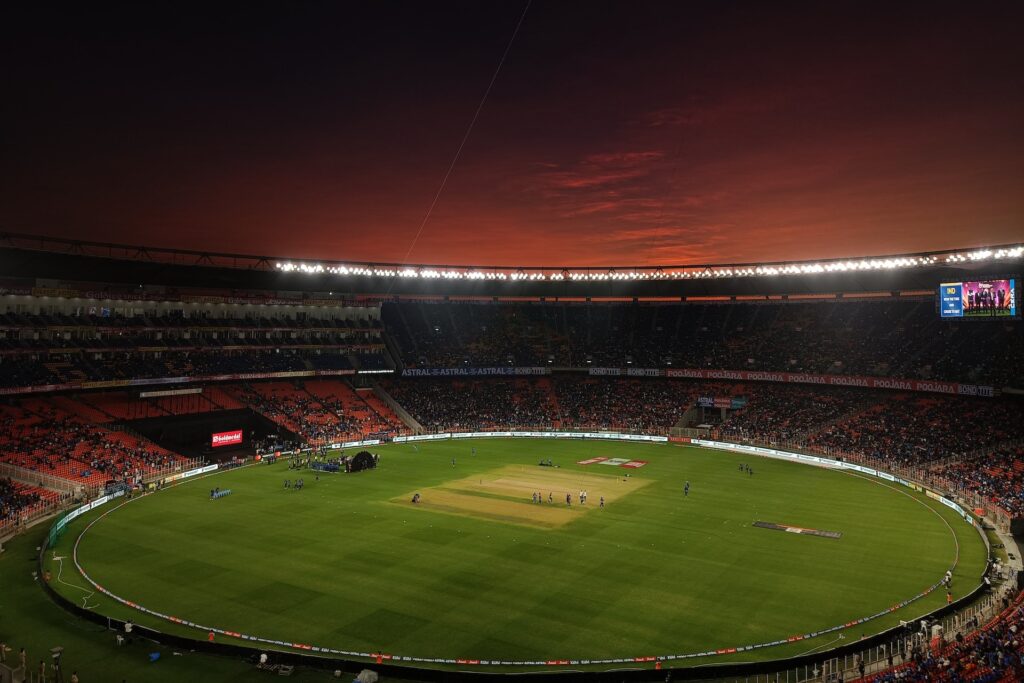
pixel 981 299
pixel 231 438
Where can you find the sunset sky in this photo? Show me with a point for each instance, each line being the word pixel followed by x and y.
pixel 614 133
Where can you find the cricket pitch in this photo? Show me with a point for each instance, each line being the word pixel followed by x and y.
pixel 506 495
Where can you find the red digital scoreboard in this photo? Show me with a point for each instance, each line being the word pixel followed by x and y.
pixel 232 438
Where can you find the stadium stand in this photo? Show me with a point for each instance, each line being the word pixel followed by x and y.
pixel 81 409
pixel 903 338
pixel 788 414
pixel 130 406
pixel 995 475
pixel 371 361
pixel 991 654
pixel 636 406
pixel 221 398
pixel 446 405
pixel 391 421
pixel 95 343
pixel 911 430
pixel 346 401
pixel 319 411
pixel 42 435
pixel 18 499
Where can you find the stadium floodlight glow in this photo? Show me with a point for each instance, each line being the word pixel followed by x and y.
pixel 579 274
pixel 642 273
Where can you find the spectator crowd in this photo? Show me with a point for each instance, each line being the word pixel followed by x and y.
pixel 40 435
pixel 994 653
pixel 903 338
pixel 15 499
pixel 319 412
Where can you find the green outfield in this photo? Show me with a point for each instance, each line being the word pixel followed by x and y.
pixel 479 571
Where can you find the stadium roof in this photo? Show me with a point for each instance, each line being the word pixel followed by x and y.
pixel 32 256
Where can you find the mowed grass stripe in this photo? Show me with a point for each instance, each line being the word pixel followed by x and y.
pixel 654 572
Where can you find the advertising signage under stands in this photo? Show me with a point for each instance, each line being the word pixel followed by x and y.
pixel 232 438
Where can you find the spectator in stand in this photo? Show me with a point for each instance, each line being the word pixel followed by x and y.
pixel 915 429
pixel 569 403
pixel 445 405
pixel 997 476
pixel 991 654
pixel 14 500
pixel 44 437
pixel 317 420
pixel 776 414
pixel 904 338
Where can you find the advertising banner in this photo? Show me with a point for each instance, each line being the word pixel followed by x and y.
pixel 644 372
pixel 232 438
pixel 422 437
pixel 538 435
pixel 679 373
pixel 473 372
pixel 85 508
pixel 355 444
pixel 834 380
pixel 190 473
pixel 39 389
pixel 733 403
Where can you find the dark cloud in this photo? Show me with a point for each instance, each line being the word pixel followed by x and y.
pixel 631 133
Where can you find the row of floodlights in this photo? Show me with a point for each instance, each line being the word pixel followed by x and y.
pixel 686 273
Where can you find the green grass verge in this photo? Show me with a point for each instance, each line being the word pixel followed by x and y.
pixel 30 620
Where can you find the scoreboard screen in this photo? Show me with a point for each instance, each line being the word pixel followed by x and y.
pixel 979 299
